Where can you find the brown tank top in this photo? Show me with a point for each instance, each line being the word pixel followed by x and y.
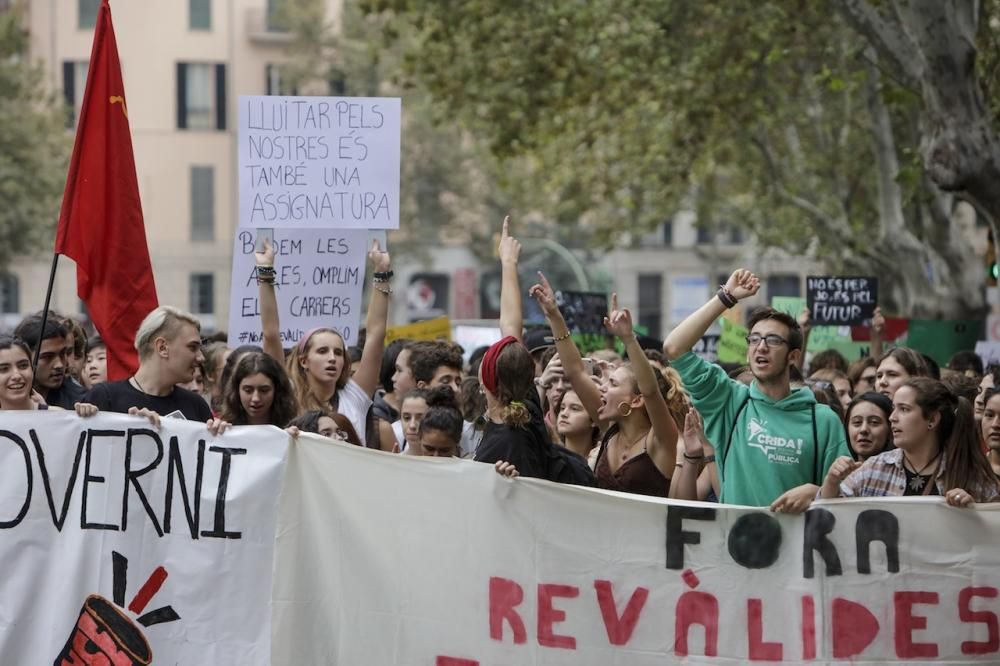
pixel 637 475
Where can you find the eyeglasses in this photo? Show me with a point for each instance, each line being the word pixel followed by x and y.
pixel 772 340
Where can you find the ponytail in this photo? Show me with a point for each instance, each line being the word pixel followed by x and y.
pixel 515 414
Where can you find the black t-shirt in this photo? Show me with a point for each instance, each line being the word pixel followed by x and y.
pixel 67 395
pixel 525 447
pixel 121 395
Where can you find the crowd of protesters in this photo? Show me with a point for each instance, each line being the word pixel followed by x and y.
pixel 779 431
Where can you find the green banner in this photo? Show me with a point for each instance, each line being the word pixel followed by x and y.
pixel 732 342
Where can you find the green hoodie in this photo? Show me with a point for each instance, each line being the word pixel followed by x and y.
pixel 768 448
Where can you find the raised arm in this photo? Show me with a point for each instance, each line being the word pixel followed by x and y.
pixel 269 324
pixel 663 447
pixel 878 330
pixel 741 284
pixel 690 459
pixel 268 303
pixel 805 325
pixel 511 318
pixel 573 368
pixel 375 323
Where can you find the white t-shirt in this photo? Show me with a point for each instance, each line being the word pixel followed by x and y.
pixel 353 403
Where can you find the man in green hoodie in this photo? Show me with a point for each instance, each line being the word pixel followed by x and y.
pixel 773 445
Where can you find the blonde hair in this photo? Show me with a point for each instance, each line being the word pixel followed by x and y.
pixel 300 381
pixel 165 321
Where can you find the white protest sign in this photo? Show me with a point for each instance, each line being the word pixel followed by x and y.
pixel 386 559
pixel 989 351
pixel 319 276
pixel 319 162
pixel 128 545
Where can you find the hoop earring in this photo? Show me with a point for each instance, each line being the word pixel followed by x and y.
pixel 624 414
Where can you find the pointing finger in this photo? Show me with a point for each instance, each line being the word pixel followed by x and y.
pixel 506 225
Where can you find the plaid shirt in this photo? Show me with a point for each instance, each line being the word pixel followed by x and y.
pixel 884 475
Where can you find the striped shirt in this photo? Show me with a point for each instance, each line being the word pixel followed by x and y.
pixel 884 475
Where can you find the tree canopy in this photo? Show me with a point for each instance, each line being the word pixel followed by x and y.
pixel 33 146
pixel 824 136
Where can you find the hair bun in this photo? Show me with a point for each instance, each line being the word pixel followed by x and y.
pixel 442 396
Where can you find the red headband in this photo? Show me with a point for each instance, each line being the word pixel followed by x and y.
pixel 488 368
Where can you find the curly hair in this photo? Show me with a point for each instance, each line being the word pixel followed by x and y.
pixel 283 407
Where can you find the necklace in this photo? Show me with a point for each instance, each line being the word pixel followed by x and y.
pixel 918 481
pixel 632 445
pixel 137 384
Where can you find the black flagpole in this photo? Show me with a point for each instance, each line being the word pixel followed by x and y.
pixel 45 312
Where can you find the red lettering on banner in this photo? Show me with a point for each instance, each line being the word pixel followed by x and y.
pixel 696 608
pixel 619 628
pixel 505 596
pixel 966 614
pixel 455 661
pixel 907 622
pixel 548 615
pixel 854 628
pixel 759 649
pixel 808 627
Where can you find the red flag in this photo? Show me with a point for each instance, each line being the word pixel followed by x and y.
pixel 100 225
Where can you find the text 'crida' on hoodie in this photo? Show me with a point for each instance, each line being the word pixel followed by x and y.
pixel 763 447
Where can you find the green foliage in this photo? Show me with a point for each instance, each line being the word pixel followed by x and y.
pixel 448 181
pixel 33 146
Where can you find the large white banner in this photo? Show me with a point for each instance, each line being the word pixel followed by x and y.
pixel 386 559
pixel 319 279
pixel 123 545
pixel 319 162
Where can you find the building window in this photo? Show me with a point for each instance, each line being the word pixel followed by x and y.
pixel 276 17
pixel 277 81
pixel 202 203
pixel 201 96
pixel 202 293
pixel 783 285
pixel 200 14
pixel 10 294
pixel 87 13
pixel 651 302
pixel 704 234
pixel 668 233
pixel 74 83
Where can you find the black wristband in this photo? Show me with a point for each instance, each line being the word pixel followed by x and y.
pixel 727 299
pixel 382 276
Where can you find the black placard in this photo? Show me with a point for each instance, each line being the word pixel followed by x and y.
pixel 584 312
pixel 841 300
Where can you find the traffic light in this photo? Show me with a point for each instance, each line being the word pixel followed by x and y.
pixel 992 268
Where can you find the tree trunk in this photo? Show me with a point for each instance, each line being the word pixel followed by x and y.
pixel 931 45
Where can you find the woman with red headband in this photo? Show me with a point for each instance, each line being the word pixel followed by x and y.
pixel 638 451
pixel 515 431
pixel 319 366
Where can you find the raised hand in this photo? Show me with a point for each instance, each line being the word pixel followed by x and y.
pixel 694 434
pixel 265 257
pixel 878 321
pixel 546 297
pixel 742 284
pixel 619 321
pixel 379 258
pixel 509 248
pixel 805 321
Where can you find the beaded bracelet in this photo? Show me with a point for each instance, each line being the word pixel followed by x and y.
pixel 386 291
pixel 562 337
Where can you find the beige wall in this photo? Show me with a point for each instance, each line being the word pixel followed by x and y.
pixel 153 36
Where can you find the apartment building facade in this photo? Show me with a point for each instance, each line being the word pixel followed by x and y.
pixel 184 64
